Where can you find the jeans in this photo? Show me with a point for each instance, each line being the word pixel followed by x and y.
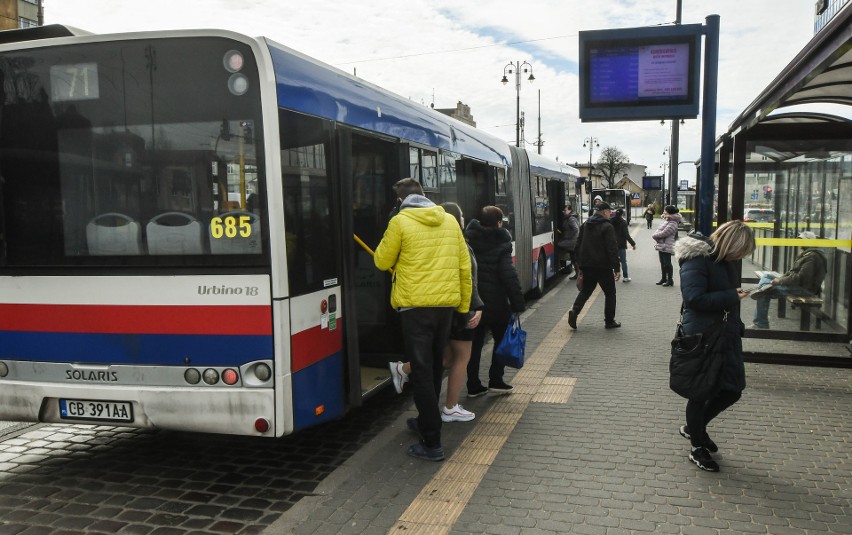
pixel 622 256
pixel 425 332
pixel 494 322
pixel 700 413
pixel 665 259
pixel 761 310
pixel 649 220
pixel 591 278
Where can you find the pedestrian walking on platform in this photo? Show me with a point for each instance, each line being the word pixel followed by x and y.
pixel 597 251
pixel 649 214
pixel 710 280
pixel 500 290
pixel 665 236
pixel 622 237
pixel 432 277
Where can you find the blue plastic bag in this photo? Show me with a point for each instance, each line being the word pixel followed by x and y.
pixel 510 351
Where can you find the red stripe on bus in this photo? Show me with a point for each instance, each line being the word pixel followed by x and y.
pixel 137 319
pixel 314 344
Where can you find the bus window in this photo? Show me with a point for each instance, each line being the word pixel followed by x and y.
pixel 430 170
pixel 96 154
pixel 414 163
pixel 310 225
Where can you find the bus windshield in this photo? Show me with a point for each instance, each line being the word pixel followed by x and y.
pixel 136 152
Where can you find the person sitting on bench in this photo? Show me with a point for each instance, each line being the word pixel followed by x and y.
pixel 803 279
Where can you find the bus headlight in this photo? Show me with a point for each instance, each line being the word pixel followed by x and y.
pixel 210 376
pixel 192 376
pixel 263 372
pixel 4 369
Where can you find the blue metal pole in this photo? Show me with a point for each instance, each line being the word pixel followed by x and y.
pixel 707 187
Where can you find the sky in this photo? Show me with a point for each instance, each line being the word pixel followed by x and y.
pixel 442 52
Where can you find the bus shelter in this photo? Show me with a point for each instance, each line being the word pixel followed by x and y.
pixel 786 170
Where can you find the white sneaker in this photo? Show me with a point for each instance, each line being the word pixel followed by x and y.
pixel 626 279
pixel 398 375
pixel 456 414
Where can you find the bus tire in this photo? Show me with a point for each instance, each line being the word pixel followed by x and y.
pixel 540 277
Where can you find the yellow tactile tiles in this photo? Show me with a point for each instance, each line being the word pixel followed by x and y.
pixel 442 500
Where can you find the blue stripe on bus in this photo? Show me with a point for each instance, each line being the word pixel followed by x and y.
pixel 318 385
pixel 146 349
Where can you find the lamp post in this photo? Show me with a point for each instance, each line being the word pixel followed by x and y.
pixel 516 68
pixel 592 142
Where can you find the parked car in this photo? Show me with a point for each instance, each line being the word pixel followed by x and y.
pixel 759 215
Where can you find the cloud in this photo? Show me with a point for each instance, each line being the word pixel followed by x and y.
pixel 456 51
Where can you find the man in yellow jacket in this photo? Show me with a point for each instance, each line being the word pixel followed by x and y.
pixel 431 277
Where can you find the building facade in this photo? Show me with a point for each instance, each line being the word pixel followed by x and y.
pixel 15 14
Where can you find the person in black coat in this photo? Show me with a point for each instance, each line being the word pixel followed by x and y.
pixel 500 291
pixel 597 256
pixel 710 282
pixel 622 237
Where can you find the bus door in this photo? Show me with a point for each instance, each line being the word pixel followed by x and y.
pixel 312 239
pixel 557 200
pixel 369 167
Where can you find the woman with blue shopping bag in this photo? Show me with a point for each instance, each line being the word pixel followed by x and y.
pixel 500 290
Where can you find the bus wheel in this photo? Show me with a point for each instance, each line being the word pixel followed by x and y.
pixel 540 276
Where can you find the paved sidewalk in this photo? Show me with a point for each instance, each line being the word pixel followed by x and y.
pixel 609 459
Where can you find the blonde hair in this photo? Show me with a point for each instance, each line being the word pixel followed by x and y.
pixel 732 241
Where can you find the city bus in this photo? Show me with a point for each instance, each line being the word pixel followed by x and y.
pixel 616 198
pixel 186 220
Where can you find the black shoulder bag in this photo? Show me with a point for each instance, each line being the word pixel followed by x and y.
pixel 695 369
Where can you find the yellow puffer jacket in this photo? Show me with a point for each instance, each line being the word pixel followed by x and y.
pixel 427 251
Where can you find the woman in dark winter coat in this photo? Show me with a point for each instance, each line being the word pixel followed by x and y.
pixel 710 288
pixel 665 236
pixel 499 289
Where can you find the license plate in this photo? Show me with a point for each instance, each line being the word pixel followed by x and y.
pixel 87 409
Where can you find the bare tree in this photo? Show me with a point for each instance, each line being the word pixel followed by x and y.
pixel 611 163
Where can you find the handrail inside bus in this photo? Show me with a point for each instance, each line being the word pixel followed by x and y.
pixel 367 248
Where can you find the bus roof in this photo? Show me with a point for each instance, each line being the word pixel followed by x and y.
pixel 310 86
pixel 548 168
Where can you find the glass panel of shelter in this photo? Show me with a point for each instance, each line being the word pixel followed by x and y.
pixel 786 195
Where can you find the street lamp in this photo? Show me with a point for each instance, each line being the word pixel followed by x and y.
pixel 592 142
pixel 516 68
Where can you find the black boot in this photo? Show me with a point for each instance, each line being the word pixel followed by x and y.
pixel 663 278
pixel 669 273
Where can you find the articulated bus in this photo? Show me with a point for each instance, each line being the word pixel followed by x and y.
pixel 181 216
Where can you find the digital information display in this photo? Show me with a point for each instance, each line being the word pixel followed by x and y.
pixel 640 73
pixel 78 81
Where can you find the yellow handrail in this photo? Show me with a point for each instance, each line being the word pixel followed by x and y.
pixel 360 242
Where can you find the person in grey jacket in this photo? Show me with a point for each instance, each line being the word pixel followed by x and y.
pixel 710 279
pixel 665 236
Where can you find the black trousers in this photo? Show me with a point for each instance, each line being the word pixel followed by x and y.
pixel 494 322
pixel 425 332
pixel 700 413
pixel 593 277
